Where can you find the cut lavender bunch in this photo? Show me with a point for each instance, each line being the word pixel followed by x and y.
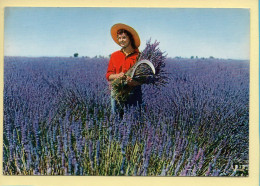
pixel 153 54
pixel 149 69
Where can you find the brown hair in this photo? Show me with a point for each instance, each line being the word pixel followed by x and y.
pixel 121 31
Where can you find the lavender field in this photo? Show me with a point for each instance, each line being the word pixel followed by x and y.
pixel 58 121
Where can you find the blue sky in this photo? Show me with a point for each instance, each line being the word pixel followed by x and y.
pixel 222 33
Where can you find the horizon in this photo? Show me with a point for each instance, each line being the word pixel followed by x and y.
pixel 107 57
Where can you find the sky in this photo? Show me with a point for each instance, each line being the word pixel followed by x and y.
pixel 184 32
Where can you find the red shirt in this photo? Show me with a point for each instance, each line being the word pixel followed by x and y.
pixel 119 62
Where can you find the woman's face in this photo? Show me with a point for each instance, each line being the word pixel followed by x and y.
pixel 123 40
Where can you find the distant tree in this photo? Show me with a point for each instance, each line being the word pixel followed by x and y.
pixel 76 54
pixel 196 57
pixel 192 57
pixel 211 57
pixel 100 56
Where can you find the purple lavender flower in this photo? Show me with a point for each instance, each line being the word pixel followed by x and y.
pixel 135 170
pixel 69 163
pixel 216 172
pixel 63 160
pixel 216 157
pixel 226 167
pixel 90 148
pixel 201 162
pixel 209 170
pixel 163 173
pixel 172 163
pixel 59 146
pixel 65 142
pixel 14 138
pixel 194 170
pixel 122 166
pixel 23 132
pixel 98 152
pixel 110 135
pixel 198 155
pixel 179 164
pixel 75 164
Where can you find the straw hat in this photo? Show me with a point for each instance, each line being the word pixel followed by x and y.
pixel 119 26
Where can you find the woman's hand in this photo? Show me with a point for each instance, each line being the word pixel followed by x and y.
pixel 121 74
pixel 116 76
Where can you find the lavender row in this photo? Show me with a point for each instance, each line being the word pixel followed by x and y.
pixel 58 121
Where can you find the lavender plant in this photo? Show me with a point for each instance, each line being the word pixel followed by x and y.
pixel 57 120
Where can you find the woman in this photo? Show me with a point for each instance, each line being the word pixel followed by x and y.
pixel 122 60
